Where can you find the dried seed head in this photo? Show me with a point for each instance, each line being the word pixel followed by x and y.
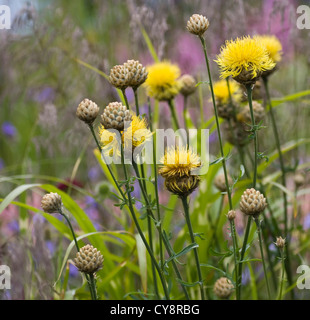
pixel 182 186
pixel 258 112
pixel 51 202
pixel 197 24
pixel 87 111
pixel 252 202
pixel 231 215
pixel 225 111
pixel 188 84
pixel 299 179
pixel 280 243
pixel 220 182
pixel 119 77
pixel 223 288
pixel 235 134
pixel 137 73
pixel 88 260
pixel 114 115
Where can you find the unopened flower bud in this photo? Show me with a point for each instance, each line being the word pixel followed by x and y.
pixel 87 111
pixel 51 202
pixel 197 24
pixel 223 288
pixel 252 202
pixel 88 260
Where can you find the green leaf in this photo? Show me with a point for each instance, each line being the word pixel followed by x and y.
pixel 182 252
pixel 149 44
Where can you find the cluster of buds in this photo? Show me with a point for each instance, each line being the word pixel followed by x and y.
pixel 88 260
pixel 252 202
pixel 130 74
pixel 223 288
pixel 114 116
pixel 197 24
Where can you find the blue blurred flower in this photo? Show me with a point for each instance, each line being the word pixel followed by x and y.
pixel 45 95
pixel 306 224
pixel 73 271
pixel 8 129
pixel 50 246
pixel 13 226
pixel 93 173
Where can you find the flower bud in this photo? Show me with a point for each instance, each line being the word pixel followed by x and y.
pixel 88 260
pixel 197 24
pixel 87 111
pixel 51 202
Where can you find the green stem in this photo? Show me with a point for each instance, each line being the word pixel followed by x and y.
pixel 191 233
pixel 282 274
pixel 71 229
pixel 135 91
pixel 235 245
pixel 245 240
pixel 283 180
pixel 92 284
pixel 132 211
pixel 185 112
pixel 262 253
pixel 217 122
pixel 254 130
pixel 179 277
pixel 173 114
pixel 125 98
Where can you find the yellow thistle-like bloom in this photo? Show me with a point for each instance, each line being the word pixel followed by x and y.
pixel 244 59
pixel 109 141
pixel 162 82
pixel 137 133
pixel 272 45
pixel 221 92
pixel 179 162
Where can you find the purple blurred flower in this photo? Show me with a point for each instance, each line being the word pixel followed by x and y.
pixel 13 226
pixel 93 173
pixel 2 165
pixel 307 221
pixel 8 129
pixel 50 246
pixel 73 271
pixel 45 95
pixel 245 276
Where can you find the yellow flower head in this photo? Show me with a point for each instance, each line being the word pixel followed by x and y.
pixel 244 59
pixel 137 133
pixel 221 92
pixel 179 162
pixel 272 45
pixel 162 82
pixel 109 141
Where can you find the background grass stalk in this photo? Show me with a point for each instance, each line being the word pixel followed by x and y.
pixel 132 211
pixel 283 180
pixel 262 253
pixel 191 233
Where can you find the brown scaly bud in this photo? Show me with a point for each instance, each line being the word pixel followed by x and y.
pixel 245 77
pixel 223 288
pixel 87 111
pixel 182 186
pixel 231 215
pixel 119 77
pixel 88 260
pixel 220 182
pixel 197 24
pixel 235 133
pixel 51 202
pixel 280 243
pixel 252 202
pixel 188 85
pixel 114 116
pixel 137 73
pixel 258 112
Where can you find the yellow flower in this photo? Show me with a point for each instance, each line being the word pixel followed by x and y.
pixel 272 45
pixel 244 59
pixel 162 81
pixel 179 162
pixel 221 92
pixel 109 141
pixel 137 133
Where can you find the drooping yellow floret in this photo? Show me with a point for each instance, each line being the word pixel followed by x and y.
pixel 243 55
pixel 137 133
pixel 179 162
pixel 221 91
pixel 162 82
pixel 272 45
